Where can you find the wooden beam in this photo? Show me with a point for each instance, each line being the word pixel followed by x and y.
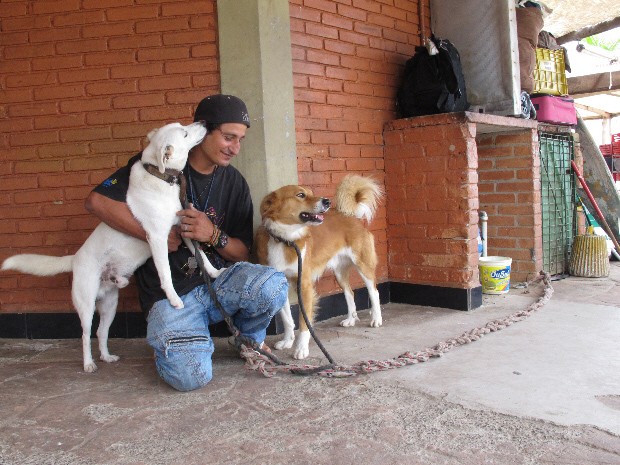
pixel 593 84
pixel 595 110
pixel 589 31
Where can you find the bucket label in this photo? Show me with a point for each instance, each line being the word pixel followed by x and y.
pixel 501 274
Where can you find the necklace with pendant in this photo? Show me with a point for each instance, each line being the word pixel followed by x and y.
pixel 196 200
pixel 192 263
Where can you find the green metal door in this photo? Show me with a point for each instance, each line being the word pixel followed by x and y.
pixel 558 200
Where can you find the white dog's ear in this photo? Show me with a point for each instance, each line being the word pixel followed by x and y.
pixel 166 152
pixel 151 134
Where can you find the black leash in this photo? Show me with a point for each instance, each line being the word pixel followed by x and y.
pixel 302 309
pixel 179 178
pixel 239 339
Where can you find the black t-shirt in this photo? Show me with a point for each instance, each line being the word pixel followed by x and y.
pixel 229 206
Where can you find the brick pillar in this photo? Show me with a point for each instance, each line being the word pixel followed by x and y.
pixel 436 167
pixel 432 211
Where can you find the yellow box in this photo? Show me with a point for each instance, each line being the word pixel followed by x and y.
pixel 550 72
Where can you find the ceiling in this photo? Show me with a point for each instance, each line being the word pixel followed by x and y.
pixel 572 15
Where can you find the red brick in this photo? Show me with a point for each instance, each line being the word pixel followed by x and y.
pixel 320 30
pixel 57 6
pixel 34 138
pixel 325 111
pixel 40 166
pixel 177 38
pixel 81 46
pixel 187 8
pixel 32 109
pixel 37 196
pixel 58 121
pixel 108 30
pixel 59 92
pixel 136 70
pixel 323 5
pixel 85 105
pixel 83 75
pixel 28 51
pixel 353 37
pixel 137 41
pixel 360 165
pixel 192 66
pixel 42 225
pixel 111 87
pixel 115 146
pixel 62 150
pixel 328 165
pixel 62 180
pixel 139 101
pixel 162 54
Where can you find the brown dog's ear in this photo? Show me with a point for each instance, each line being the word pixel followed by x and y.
pixel 266 204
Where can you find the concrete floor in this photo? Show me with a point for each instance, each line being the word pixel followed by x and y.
pixel 545 390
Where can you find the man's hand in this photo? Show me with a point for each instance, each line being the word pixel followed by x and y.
pixel 195 224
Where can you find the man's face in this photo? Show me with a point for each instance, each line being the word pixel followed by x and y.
pixel 221 145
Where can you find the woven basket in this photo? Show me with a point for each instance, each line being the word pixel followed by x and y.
pixel 589 257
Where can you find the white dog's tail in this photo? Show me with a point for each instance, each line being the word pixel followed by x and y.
pixel 358 196
pixel 40 265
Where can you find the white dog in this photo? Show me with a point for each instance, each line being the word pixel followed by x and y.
pixel 108 258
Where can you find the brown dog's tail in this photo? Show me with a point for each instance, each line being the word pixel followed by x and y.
pixel 358 196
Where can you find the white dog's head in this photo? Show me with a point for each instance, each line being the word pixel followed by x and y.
pixel 169 145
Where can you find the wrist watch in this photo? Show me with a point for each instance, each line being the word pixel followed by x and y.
pixel 222 241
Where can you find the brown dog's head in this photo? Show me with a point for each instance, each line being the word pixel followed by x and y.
pixel 292 207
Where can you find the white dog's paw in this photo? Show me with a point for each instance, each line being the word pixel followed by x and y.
pixel 217 273
pixel 90 367
pixel 302 349
pixel 285 343
pixel 301 352
pixel 110 358
pixel 376 321
pixel 348 322
pixel 177 303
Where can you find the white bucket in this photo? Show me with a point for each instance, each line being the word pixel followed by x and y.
pixel 495 274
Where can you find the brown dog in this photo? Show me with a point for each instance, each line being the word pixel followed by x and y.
pixel 334 239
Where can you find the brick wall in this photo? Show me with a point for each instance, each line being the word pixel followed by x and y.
pixel 509 171
pixel 347 62
pixel 82 82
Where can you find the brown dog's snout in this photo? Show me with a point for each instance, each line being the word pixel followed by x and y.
pixel 325 202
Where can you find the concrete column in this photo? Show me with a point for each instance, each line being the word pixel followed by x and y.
pixel 256 66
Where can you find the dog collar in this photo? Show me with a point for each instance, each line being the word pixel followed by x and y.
pixel 172 177
pixel 284 241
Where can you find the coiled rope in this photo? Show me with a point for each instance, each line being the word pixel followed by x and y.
pixel 266 365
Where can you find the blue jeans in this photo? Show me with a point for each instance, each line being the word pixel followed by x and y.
pixel 250 294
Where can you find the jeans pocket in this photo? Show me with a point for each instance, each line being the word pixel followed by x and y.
pixel 187 344
pixel 185 361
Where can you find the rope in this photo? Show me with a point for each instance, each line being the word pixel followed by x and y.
pixel 262 364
